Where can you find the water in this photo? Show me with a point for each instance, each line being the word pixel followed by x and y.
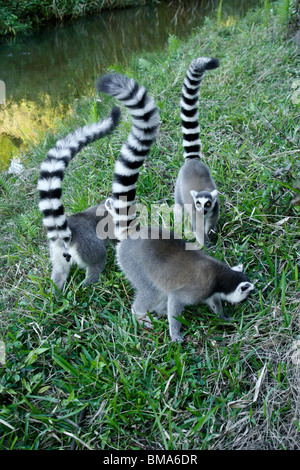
pixel 45 72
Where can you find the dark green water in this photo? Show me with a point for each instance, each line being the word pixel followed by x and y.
pixel 45 72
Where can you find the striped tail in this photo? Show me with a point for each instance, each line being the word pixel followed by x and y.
pixel 190 105
pixel 144 129
pixel 53 168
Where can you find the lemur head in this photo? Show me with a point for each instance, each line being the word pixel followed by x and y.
pixel 242 289
pixel 204 200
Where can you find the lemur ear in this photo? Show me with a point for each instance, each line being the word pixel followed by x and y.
pixel 238 268
pixel 214 193
pixel 109 205
pixel 193 193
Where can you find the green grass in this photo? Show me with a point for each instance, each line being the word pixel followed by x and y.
pixel 82 358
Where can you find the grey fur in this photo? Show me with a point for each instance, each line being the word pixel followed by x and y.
pixel 77 238
pixel 167 277
pixel 88 248
pixel 195 177
pixel 195 190
pixel 165 274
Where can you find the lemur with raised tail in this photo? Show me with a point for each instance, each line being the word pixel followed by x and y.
pixel 195 189
pixel 165 274
pixel 77 238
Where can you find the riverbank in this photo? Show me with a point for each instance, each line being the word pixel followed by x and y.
pixel 30 15
pixel 78 371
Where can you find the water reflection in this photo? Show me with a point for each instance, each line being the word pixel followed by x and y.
pixel 45 72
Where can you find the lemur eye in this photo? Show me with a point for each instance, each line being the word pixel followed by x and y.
pixel 198 203
pixel 208 204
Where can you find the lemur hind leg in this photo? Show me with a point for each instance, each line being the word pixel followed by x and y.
pixel 146 300
pixel 92 274
pixel 175 307
pixel 61 264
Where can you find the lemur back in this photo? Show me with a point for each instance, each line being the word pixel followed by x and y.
pixel 77 238
pixel 195 189
pixel 166 275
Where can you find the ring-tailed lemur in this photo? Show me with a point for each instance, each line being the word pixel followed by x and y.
pixel 165 274
pixel 195 190
pixel 73 239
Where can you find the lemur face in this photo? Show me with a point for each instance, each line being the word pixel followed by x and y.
pixel 204 200
pixel 241 293
pixel 242 290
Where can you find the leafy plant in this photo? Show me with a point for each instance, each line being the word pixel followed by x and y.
pixel 288 13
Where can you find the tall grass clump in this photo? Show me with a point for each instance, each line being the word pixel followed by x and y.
pixel 78 372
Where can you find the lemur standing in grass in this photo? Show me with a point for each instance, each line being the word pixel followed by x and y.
pixel 195 189
pixel 166 275
pixel 73 239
